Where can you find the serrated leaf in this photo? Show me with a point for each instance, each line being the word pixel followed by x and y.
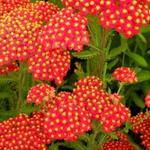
pixel 140 60
pixel 86 54
pixel 94 30
pixel 118 50
pixel 143 75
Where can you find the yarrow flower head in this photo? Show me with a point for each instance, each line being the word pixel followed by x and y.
pixel 8 5
pixel 85 6
pixel 125 16
pixel 39 93
pixel 44 10
pixel 50 65
pixel 89 94
pixel 17 35
pixel 66 120
pixel 114 116
pixel 147 100
pixel 140 125
pixel 23 132
pixel 125 75
pixel 118 145
pixel 19 30
pixel 89 82
pixel 65 30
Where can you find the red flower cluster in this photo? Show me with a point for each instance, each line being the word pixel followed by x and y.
pixel 5 69
pixel 66 120
pixel 39 93
pixel 89 82
pixel 114 116
pixel 118 145
pixel 125 75
pixel 141 123
pixel 147 100
pixel 23 133
pixel 89 94
pixel 8 5
pixel 44 10
pixel 19 28
pixel 17 36
pixel 122 143
pixel 125 16
pixel 50 65
pixel 65 30
pixel 85 6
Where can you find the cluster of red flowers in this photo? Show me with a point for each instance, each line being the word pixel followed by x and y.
pixel 125 75
pixel 87 98
pixel 23 133
pixel 122 143
pixel 17 36
pixel 50 65
pixel 85 6
pixel 118 145
pixel 141 123
pixel 65 30
pixel 8 5
pixel 39 93
pixel 65 119
pixel 44 10
pixel 25 30
pixel 125 16
pixel 114 116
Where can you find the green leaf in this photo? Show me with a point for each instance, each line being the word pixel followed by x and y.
pixel 27 109
pixel 113 63
pixel 118 50
pixel 143 39
pixel 113 135
pixel 140 60
pixel 53 146
pixel 127 127
pixel 86 54
pixel 143 75
pixel 138 101
pixel 94 30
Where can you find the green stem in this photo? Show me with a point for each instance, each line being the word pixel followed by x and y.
pixel 120 88
pixel 102 141
pixel 20 88
pixel 106 63
pixel 102 54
